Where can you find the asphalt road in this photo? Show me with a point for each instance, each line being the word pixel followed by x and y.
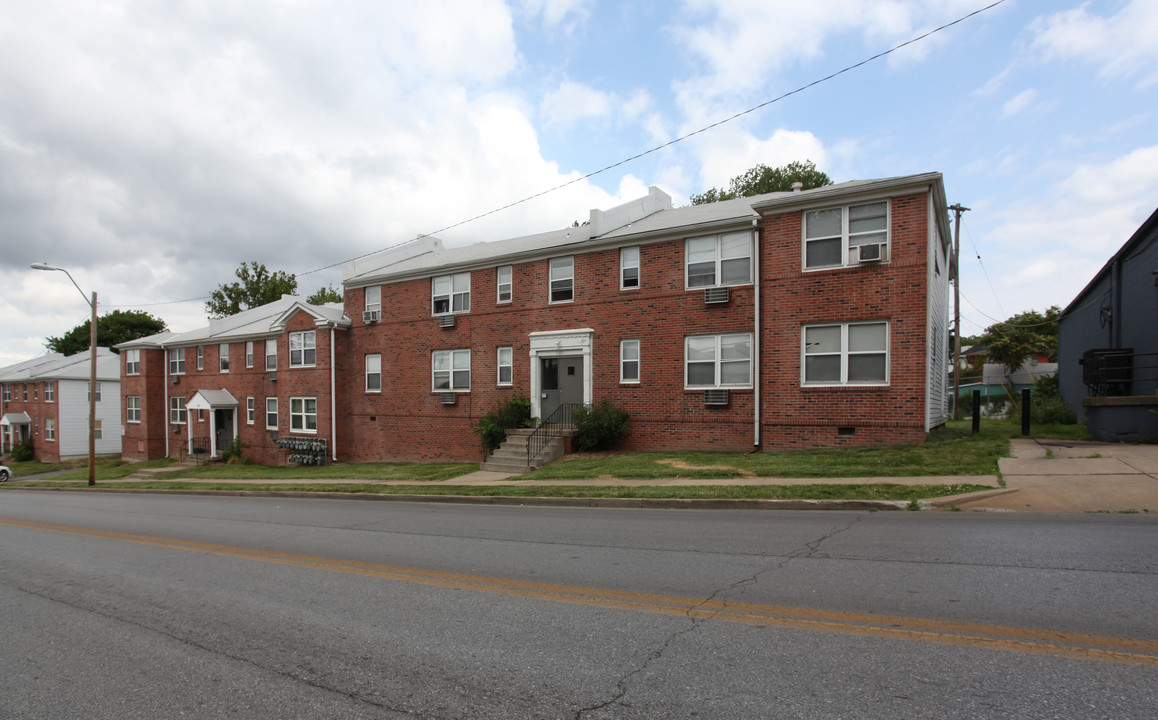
pixel 142 606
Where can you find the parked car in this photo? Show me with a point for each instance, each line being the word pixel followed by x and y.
pixel 5 473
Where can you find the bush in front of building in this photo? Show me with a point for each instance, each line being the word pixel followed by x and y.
pixel 22 451
pixel 492 427
pixel 601 427
pixel 1047 406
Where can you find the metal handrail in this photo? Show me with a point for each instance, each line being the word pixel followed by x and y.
pixel 559 422
pixel 1113 371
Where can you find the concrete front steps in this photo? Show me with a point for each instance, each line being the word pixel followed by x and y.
pixel 511 456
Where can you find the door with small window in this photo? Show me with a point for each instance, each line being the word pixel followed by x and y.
pixel 560 383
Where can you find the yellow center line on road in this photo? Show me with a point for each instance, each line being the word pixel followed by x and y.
pixel 962 634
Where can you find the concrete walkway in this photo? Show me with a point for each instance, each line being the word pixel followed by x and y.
pixel 1075 476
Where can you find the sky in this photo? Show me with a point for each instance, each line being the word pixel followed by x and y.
pixel 151 148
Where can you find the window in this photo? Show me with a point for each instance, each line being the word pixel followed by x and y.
pixel 846 354
pixel 628 268
pixel 304 414
pixel 200 357
pixel 49 429
pixel 271 413
pixel 223 357
pixel 200 415
pixel 719 260
pixel 98 430
pixel 271 354
pixel 177 361
pixel 506 366
pixel 24 389
pixel 250 411
pixel 374 373
pixel 132 362
pixel 830 234
pixel 133 408
pixel 177 414
pixel 36 391
pixel 504 280
pixel 303 352
pixel 98 391
pixel 562 279
pixel 451 370
pixel 374 298
pixel 451 293
pixel 50 391
pixel 629 361
pixel 7 393
pixel 248 353
pixel 718 361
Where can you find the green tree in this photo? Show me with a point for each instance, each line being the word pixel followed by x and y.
pixel 257 287
pixel 326 294
pixel 1025 334
pixel 112 328
pixel 763 179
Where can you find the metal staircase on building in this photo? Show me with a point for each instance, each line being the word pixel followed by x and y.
pixel 511 456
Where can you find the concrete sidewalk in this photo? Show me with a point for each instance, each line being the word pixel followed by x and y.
pixel 1075 476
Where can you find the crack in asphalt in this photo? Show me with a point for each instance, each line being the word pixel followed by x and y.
pixel 220 653
pixel 622 686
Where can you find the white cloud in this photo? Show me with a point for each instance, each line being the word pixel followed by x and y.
pixel 1122 44
pixel 558 13
pixel 572 102
pixel 1019 103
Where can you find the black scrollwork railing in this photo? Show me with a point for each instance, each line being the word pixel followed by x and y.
pixel 1115 371
pixel 556 425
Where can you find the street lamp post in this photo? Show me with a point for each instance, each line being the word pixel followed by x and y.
pixel 92 343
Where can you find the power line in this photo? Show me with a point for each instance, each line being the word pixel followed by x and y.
pixel 681 138
pixel 984 270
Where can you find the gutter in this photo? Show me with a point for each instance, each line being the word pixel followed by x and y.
pixel 756 334
pixel 333 404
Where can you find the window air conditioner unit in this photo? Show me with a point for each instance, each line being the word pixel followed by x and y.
pixel 716 295
pixel 873 253
pixel 448 398
pixel 446 321
pixel 716 397
pixel 176 379
pixel 370 316
pixel 273 375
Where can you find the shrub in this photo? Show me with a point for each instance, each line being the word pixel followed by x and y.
pixel 232 455
pixel 492 427
pixel 1046 406
pixel 22 451
pixel 602 427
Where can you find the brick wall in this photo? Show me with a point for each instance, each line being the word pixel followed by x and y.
pixel 28 397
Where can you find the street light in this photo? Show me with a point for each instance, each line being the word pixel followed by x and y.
pixel 92 342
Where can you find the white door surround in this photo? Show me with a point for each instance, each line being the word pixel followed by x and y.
pixel 560 343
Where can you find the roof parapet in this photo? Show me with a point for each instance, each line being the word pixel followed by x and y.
pixel 353 269
pixel 604 221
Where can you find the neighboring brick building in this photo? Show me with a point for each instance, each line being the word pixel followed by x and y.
pixel 815 318
pixel 46 399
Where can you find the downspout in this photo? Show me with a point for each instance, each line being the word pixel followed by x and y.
pixel 756 334
pixel 165 362
pixel 333 405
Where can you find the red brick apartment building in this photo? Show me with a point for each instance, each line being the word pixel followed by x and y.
pixel 815 318
pixel 46 399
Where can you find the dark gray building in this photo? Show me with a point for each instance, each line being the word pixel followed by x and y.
pixel 1108 343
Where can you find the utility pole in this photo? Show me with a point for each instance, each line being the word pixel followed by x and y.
pixel 957 209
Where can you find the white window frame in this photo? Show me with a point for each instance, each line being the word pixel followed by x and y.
pixel 504 283
pixel 717 360
pixel 373 370
pixel 177 361
pixel 307 342
pixel 50 391
pixel 451 290
pixel 505 363
pixel 628 262
pixel 561 275
pixel 98 429
pixel 453 361
pixel 717 251
pixel 133 362
pixel 250 410
pixel 87 385
pixel 847 237
pixel 200 357
pixel 248 353
pixel 223 357
pixel 178 415
pixel 7 393
pixel 133 408
pixel 844 353
pixel 271 412
pixel 49 430
pixel 300 415
pixel 374 298
pixel 271 344
pixel 626 348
